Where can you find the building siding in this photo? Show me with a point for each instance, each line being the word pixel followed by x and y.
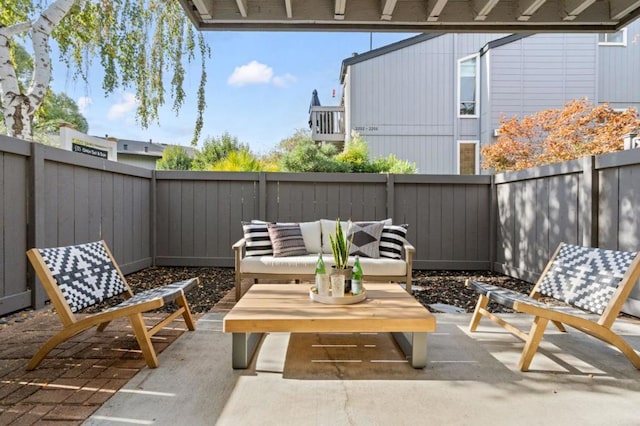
pixel 392 101
pixel 618 71
pixel 404 101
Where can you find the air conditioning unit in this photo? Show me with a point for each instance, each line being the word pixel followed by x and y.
pixel 496 132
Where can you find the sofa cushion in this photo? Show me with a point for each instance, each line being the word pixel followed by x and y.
pixel 256 236
pixel 392 241
pixel 365 238
pixel 306 265
pixel 312 236
pixel 286 239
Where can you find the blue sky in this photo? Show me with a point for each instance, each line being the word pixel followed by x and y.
pixel 259 87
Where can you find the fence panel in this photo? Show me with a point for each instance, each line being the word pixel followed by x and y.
pixel 536 210
pixel 199 216
pixel 448 218
pixel 15 293
pixel 619 208
pixel 88 199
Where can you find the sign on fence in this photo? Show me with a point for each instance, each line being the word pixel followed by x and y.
pixel 72 140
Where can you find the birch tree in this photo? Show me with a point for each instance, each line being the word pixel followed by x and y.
pixel 140 44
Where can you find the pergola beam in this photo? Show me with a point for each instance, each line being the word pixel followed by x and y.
pixel 621 8
pixel 340 6
pixel 434 9
pixel 387 9
pixel 573 8
pixel 203 10
pixel 483 8
pixel 242 7
pixel 287 5
pixel 528 8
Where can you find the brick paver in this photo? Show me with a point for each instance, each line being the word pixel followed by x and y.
pixel 78 376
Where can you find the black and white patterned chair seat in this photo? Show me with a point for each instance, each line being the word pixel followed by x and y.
pixel 84 273
pixel 168 293
pixel 508 297
pixel 583 277
pixel 586 277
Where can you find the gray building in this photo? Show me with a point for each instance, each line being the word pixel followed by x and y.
pixel 436 99
pixel 141 153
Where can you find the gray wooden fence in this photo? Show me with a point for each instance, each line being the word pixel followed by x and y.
pixel 50 197
pixel 594 201
pixel 510 222
pixel 199 214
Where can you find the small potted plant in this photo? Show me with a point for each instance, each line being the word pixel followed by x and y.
pixel 340 247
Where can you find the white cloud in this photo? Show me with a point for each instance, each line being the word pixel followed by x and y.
pixel 252 73
pixel 126 104
pixel 256 73
pixel 284 80
pixel 84 103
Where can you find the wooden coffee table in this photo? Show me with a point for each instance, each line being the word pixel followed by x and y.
pixel 287 308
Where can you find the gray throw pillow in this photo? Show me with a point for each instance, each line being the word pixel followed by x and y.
pixel 286 239
pixel 366 238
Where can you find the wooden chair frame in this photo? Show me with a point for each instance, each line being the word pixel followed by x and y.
pixel 72 325
pixel 600 329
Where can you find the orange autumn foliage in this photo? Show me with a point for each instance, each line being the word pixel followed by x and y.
pixel 554 135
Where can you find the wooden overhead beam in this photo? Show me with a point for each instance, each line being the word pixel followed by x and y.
pixel 573 8
pixel 340 6
pixel 483 8
pixel 287 6
pixel 203 10
pixel 528 8
pixel 387 9
pixel 434 9
pixel 242 7
pixel 621 8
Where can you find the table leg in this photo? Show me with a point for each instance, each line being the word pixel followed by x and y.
pixel 416 351
pixel 243 347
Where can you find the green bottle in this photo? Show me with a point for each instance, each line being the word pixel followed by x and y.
pixel 320 269
pixel 356 277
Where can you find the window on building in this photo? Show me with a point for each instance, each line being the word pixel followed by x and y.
pixel 618 38
pixel 468 158
pixel 468 86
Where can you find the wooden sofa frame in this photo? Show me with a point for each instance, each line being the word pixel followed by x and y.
pixel 562 276
pixel 64 295
pixel 239 246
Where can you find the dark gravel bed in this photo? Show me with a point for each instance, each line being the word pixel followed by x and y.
pixel 446 287
pixel 430 287
pixel 214 284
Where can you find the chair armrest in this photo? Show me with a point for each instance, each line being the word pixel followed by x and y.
pixel 239 244
pixel 237 258
pixel 409 250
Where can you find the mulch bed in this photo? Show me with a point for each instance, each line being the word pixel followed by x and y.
pixel 431 287
pixel 214 284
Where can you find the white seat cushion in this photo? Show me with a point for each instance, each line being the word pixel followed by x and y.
pixel 306 265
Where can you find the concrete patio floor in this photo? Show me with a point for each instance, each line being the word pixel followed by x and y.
pixel 100 378
pixel 470 379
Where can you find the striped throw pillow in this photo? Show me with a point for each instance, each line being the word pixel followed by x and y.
pixel 286 239
pixel 392 241
pixel 256 236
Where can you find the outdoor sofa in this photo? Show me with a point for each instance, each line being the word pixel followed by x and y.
pixel 279 251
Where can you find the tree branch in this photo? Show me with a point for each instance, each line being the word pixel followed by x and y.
pixel 12 30
pixel 41 30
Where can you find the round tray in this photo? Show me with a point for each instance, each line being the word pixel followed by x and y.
pixel 330 300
